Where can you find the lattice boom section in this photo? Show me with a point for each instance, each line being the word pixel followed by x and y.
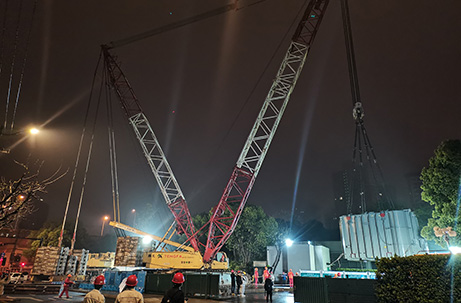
pixel 271 113
pixel 156 158
pixel 121 85
pixel 228 211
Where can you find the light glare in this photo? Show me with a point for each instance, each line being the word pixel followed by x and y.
pixel 146 240
pixel 289 242
pixel 455 250
pixel 34 131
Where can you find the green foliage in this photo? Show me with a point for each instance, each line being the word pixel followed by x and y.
pixel 423 278
pixel 253 233
pixel 49 235
pixel 441 185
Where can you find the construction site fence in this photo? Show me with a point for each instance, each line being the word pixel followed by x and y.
pixel 325 290
pixel 197 284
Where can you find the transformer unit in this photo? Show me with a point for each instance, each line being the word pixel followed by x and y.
pixel 380 235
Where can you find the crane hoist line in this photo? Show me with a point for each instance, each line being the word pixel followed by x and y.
pixel 232 202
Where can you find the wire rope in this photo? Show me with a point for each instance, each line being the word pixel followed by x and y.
pixel 112 151
pixel 77 160
pixel 12 64
pixel 361 135
pixel 85 175
pixel 3 36
pixel 23 65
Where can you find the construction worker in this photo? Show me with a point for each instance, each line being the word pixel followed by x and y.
pixel 232 282
pixel 175 294
pixel 256 276
pixel 130 295
pixel 290 277
pixel 268 286
pixel 67 283
pixel 239 281
pixel 266 274
pixel 95 295
pixel 244 282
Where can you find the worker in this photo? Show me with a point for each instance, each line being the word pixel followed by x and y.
pixel 232 282
pixel 268 286
pixel 67 283
pixel 175 294
pixel 95 295
pixel 290 277
pixel 265 274
pixel 130 295
pixel 238 279
pixel 244 283
pixel 256 276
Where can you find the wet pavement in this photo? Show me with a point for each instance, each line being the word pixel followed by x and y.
pixel 279 296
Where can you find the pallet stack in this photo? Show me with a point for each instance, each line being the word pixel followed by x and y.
pixel 125 254
pixel 46 260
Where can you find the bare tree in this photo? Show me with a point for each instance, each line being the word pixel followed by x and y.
pixel 17 196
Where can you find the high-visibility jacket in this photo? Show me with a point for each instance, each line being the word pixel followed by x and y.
pixel 94 296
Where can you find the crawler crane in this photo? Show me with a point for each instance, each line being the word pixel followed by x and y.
pixel 227 213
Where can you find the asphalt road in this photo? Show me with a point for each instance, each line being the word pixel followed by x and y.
pixel 278 297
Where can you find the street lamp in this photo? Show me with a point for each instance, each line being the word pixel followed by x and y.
pixel 34 131
pixel 104 222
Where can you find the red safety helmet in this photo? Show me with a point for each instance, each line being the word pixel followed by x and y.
pixel 132 281
pixel 100 280
pixel 178 278
pixel 69 276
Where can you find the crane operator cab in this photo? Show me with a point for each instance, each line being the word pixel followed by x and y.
pixel 220 261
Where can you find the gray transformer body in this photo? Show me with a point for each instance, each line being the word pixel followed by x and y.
pixel 381 235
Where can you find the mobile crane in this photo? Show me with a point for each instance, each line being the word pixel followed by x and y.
pixel 227 213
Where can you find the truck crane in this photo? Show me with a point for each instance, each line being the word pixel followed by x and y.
pixel 229 209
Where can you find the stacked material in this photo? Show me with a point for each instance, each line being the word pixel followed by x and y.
pixel 101 260
pixel 125 254
pixel 46 260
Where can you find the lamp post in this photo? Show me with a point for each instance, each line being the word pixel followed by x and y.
pixel 104 222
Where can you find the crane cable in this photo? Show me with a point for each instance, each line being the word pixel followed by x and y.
pixel 360 131
pixel 77 160
pixel 90 150
pixel 23 65
pixel 112 147
pixel 3 36
pixel 12 65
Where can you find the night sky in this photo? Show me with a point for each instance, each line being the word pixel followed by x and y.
pixel 195 85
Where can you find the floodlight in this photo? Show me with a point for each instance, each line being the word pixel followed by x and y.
pixel 146 240
pixel 455 250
